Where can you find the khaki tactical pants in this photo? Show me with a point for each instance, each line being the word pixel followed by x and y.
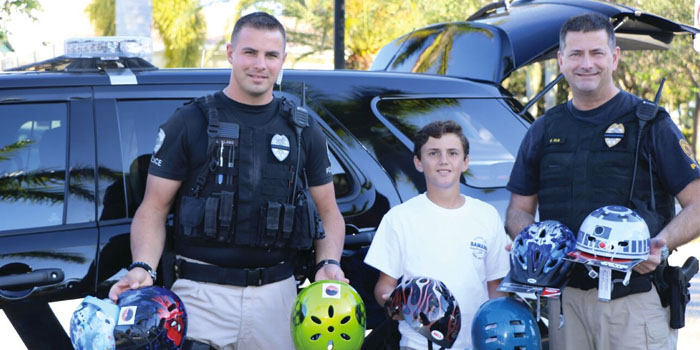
pixel 636 321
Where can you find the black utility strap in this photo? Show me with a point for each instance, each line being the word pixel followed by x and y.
pixel 212 132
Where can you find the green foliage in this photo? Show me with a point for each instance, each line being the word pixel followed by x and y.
pixel 183 29
pixel 102 14
pixel 180 24
pixel 369 24
pixel 11 7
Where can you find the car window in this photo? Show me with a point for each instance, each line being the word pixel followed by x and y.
pixel 32 165
pixel 493 134
pixel 137 123
pixel 341 180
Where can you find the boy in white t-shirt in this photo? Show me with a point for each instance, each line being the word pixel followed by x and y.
pixel 442 234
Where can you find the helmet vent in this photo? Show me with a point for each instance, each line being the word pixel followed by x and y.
pixel 345 320
pixel 330 311
pixel 519 335
pixel 623 243
pixel 330 329
pixel 316 320
pixel 543 233
pixel 490 326
pixel 491 340
pixel 537 256
pixel 316 336
pixel 344 336
pixel 516 322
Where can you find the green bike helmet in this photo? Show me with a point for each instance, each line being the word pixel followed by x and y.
pixel 328 315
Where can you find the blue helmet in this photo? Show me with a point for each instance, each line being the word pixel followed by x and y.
pixel 150 318
pixel 537 254
pixel 92 324
pixel 505 324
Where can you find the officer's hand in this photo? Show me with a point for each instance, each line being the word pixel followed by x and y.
pixel 654 257
pixel 509 246
pixel 331 272
pixel 134 279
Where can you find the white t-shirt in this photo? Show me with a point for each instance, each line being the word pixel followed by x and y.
pixel 463 247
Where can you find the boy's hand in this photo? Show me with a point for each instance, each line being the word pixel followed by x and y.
pixel 393 314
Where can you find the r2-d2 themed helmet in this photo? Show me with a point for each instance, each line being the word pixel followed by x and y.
pixel 614 232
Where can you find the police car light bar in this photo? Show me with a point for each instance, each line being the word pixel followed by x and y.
pixel 108 47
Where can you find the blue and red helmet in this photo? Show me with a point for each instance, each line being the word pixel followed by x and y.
pixel 150 318
pixel 505 324
pixel 429 308
pixel 537 254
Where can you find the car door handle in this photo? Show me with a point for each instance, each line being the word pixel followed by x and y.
pixel 39 277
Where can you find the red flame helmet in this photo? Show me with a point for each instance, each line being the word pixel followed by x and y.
pixel 428 307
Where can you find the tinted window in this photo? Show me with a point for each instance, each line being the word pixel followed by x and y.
pixel 493 133
pixel 137 123
pixel 341 180
pixel 32 165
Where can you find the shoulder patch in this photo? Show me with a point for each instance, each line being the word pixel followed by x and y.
pixel 685 146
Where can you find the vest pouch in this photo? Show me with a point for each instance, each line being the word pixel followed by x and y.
pixel 226 208
pixel 307 224
pixel 191 216
pixel 269 225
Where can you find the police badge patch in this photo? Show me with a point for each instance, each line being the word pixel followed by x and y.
pixel 280 146
pixel 159 140
pixel 614 134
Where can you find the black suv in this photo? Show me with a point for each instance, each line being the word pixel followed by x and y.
pixel 76 144
pixel 77 134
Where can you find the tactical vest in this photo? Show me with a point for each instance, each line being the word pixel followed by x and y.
pixel 580 173
pixel 250 192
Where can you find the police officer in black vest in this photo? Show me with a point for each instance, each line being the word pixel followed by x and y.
pixel 245 171
pixel 581 155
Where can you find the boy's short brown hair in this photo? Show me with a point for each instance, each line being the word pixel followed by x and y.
pixel 435 130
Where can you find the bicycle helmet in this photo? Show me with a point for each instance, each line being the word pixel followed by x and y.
pixel 614 232
pixel 150 318
pixel 537 254
pixel 429 308
pixel 92 324
pixel 328 315
pixel 505 324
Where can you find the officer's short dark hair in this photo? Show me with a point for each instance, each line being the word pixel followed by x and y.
pixel 435 130
pixel 589 22
pixel 258 20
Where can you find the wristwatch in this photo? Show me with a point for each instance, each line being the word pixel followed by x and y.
pixel 325 262
pixel 144 266
pixel 664 253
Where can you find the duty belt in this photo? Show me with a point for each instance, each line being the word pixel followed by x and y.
pixel 638 284
pixel 242 277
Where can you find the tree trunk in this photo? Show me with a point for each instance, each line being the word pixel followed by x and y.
pixel 533 84
pixel 551 70
pixel 696 119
